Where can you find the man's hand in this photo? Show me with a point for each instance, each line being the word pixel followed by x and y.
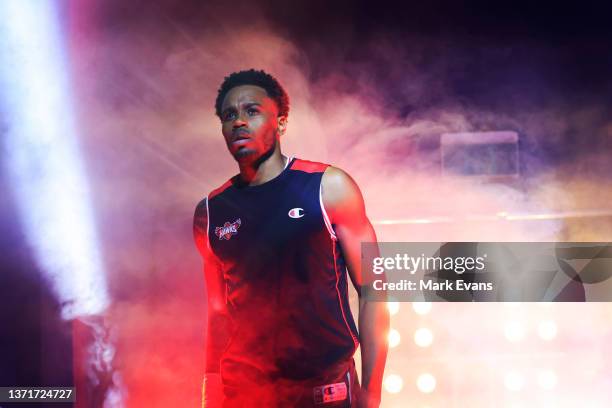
pixel 212 393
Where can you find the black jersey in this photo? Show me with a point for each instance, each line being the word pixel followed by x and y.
pixel 285 279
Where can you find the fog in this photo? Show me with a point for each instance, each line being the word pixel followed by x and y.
pixel 145 90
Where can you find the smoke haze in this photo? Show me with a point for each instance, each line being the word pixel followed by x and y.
pixel 374 105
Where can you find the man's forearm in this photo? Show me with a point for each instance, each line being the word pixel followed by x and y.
pixel 217 334
pixel 373 329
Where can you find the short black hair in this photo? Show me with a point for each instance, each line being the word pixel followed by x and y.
pixel 258 78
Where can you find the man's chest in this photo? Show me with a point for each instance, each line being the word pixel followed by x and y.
pixel 253 226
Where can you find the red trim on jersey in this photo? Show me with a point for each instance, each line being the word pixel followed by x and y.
pixel 308 166
pixel 221 189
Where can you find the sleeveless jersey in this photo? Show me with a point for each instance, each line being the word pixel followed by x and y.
pixel 285 279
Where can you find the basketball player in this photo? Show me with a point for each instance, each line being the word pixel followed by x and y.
pixel 277 240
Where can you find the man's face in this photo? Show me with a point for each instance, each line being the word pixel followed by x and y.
pixel 250 123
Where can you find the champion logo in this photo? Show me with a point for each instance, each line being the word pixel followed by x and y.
pixel 330 393
pixel 296 212
pixel 228 229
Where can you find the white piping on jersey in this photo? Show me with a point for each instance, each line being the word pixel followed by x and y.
pixel 348 377
pixel 288 161
pixel 325 216
pixel 355 341
pixel 208 226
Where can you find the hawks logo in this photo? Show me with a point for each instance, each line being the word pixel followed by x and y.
pixel 228 229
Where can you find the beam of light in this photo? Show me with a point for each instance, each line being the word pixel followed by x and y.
pixel 47 174
pixel 43 160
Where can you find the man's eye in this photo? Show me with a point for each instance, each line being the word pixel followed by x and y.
pixel 229 116
pixel 252 111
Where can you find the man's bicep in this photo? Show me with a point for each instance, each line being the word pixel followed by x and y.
pixel 344 201
pixel 215 287
pixel 350 238
pixel 213 272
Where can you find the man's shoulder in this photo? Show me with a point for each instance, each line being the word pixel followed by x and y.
pixel 308 166
pixel 202 206
pixel 219 190
pixel 339 190
pixel 336 178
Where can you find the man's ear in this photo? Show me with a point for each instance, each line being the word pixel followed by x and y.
pixel 282 124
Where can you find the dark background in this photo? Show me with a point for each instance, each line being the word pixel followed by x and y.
pixel 506 57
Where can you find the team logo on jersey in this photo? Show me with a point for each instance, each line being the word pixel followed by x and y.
pixel 296 212
pixel 228 229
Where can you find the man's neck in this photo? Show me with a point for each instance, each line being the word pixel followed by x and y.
pixel 253 174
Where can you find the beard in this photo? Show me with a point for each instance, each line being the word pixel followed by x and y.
pixel 247 156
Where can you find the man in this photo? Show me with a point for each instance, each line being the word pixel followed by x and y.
pixel 277 240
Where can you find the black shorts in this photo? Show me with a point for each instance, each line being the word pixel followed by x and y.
pixel 329 391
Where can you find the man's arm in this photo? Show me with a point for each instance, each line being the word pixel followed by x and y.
pixel 217 326
pixel 344 204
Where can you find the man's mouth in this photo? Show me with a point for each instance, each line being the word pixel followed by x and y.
pixel 240 141
pixel 240 137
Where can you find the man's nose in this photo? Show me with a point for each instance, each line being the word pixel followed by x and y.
pixel 239 121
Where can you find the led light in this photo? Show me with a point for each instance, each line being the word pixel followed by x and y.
pixel 421 308
pixel 547 379
pixel 393 338
pixel 514 381
pixel 547 330
pixel 426 383
pixel 393 383
pixel 514 331
pixel 393 307
pixel 423 337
